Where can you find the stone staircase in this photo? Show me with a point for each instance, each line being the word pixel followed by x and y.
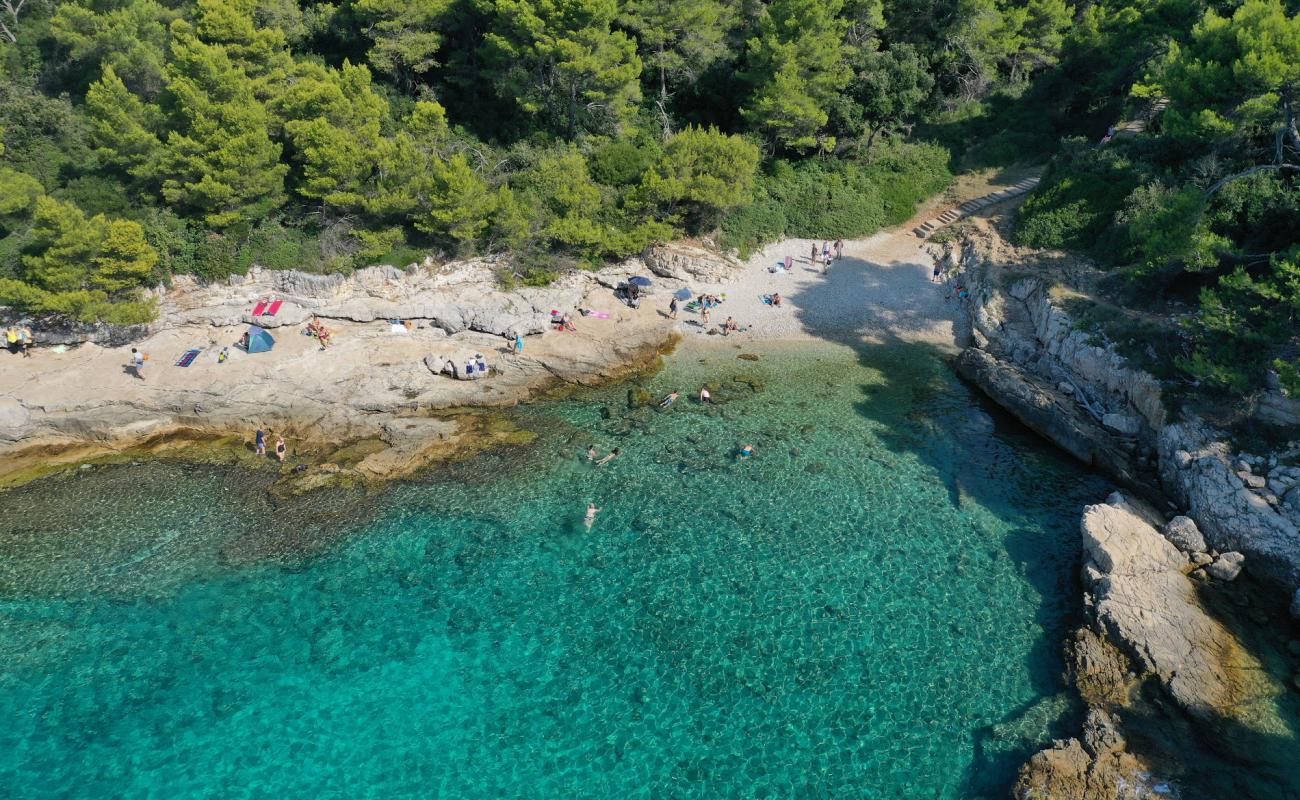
pixel 926 229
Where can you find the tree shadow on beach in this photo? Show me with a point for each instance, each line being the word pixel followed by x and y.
pixel 983 456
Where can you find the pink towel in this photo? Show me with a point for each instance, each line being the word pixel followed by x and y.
pixel 259 308
pixel 270 312
pixel 600 314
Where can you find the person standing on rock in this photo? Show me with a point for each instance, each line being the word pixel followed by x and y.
pixel 812 259
pixel 280 449
pixel 672 308
pixel 137 363
pixel 519 344
pixel 839 249
pixel 259 442
pixel 25 336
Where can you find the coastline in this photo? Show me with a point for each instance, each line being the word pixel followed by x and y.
pixel 357 423
pixel 397 386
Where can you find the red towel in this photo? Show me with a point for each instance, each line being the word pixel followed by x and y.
pixel 270 312
pixel 259 308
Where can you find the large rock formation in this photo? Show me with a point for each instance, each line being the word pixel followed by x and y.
pixel 1143 600
pixel 1146 625
pixel 1196 469
pixel 1028 355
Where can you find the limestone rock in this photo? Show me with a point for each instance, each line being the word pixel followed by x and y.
pixel 1252 480
pixel 15 420
pixel 1202 559
pixel 1196 469
pixel 1147 606
pixel 1123 424
pixel 1227 566
pixel 436 364
pixel 687 263
pixel 1184 534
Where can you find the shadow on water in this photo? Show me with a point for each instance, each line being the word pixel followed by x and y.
pixel 1209 755
pixel 986 458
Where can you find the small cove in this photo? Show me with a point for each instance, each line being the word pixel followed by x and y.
pixel 872 606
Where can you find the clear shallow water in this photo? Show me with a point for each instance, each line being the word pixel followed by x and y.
pixel 872 606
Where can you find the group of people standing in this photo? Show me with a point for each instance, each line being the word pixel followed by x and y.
pixel 259 444
pixel 823 254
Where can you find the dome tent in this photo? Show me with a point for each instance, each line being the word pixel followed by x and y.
pixel 258 340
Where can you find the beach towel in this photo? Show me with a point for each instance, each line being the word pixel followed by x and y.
pixel 259 308
pixel 767 299
pixel 187 358
pixel 270 312
pixel 600 314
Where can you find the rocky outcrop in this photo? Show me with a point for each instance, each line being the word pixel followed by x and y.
pixel 1146 626
pixel 1197 470
pixel 1049 412
pixel 1027 354
pixel 51 331
pixel 686 262
pixel 1096 765
pixel 1141 597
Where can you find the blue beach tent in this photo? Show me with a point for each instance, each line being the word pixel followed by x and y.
pixel 259 341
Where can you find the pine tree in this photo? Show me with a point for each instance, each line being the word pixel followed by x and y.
pixel 122 127
pixel 678 39
pixel 796 66
pixel 332 122
pixel 125 261
pixel 563 64
pixel 405 35
pixel 703 172
pixel 131 39
pixel 65 245
pixel 220 161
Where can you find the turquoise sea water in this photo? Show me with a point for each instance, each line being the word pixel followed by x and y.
pixel 871 606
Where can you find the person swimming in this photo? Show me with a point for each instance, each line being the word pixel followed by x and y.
pixel 591 453
pixel 615 453
pixel 590 519
pixel 669 400
pixel 746 451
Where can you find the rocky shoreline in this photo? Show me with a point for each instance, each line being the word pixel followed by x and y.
pixel 1195 514
pixel 399 386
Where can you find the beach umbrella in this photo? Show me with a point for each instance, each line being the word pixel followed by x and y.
pixel 641 281
pixel 683 294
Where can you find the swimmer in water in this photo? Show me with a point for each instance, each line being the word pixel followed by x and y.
pixel 746 451
pixel 615 453
pixel 669 400
pixel 591 453
pixel 590 519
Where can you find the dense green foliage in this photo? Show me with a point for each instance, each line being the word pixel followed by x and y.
pixel 151 137
pixel 1203 210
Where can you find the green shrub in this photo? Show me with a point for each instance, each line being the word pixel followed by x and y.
pixel 620 163
pixel 1077 202
pixel 837 199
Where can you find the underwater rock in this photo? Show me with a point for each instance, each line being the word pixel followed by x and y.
pixel 639 396
pixel 747 357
